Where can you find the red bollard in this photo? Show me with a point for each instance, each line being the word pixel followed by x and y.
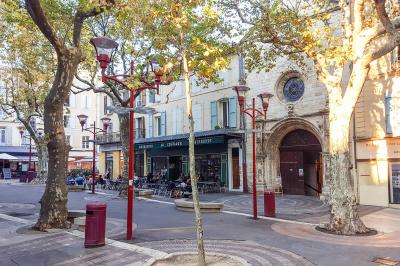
pixel 269 204
pixel 95 225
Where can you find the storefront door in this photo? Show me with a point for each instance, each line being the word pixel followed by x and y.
pixel 235 169
pixel 395 182
pixel 291 171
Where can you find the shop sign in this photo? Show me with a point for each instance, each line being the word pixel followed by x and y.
pixel 379 149
pixel 179 143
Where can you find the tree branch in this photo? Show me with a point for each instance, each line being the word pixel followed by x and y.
pixel 36 12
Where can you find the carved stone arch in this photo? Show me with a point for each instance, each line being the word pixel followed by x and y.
pixel 273 140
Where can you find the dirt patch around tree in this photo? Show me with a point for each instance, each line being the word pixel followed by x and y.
pixel 191 260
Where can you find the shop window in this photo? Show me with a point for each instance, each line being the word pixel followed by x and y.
pixel 85 142
pixel 395 183
pixel 3 131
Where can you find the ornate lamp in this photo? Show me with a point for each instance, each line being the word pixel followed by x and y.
pixel 82 120
pixel 106 122
pixel 21 130
pixel 104 49
pixel 265 97
pixel 241 91
pixel 157 69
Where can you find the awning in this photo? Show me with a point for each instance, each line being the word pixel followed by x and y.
pixel 22 158
pixel 83 160
pixel 6 156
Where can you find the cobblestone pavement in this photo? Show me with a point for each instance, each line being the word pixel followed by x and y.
pixel 251 252
pixel 65 249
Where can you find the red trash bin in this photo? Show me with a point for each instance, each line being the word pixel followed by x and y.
pixel 95 225
pixel 269 204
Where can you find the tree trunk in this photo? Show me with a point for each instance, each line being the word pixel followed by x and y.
pixel 53 211
pixel 124 131
pixel 43 157
pixel 344 218
pixel 193 177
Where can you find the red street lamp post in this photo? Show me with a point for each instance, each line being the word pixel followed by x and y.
pixel 106 122
pixel 105 47
pixel 254 113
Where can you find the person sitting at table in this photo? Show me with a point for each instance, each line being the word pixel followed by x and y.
pixel 79 180
pixel 150 177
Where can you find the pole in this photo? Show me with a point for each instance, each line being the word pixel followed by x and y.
pixel 94 159
pixel 30 154
pixel 254 162
pixel 131 169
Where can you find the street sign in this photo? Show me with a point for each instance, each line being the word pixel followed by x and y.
pixel 6 173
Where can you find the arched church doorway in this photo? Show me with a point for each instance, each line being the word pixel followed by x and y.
pixel 301 163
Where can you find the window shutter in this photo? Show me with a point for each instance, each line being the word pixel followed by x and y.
pixel 71 122
pixel 72 100
pixel 232 112
pixel 8 132
pixel 180 121
pixel 197 115
pixel 105 105
pixel 152 96
pixel 136 128
pixel 163 123
pixel 214 115
pixel 150 125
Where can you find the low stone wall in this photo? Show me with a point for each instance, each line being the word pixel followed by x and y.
pixel 73 188
pixel 187 205
pixel 145 193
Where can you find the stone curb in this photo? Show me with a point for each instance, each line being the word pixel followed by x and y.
pixel 238 259
pixel 186 205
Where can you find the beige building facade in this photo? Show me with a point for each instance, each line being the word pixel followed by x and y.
pixel 291 144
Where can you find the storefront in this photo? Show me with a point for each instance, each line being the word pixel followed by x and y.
pixel 167 157
pixel 378 167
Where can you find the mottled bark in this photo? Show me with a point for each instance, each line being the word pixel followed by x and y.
pixel 195 193
pixel 344 218
pixel 53 211
pixel 124 131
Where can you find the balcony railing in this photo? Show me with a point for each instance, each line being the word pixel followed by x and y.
pixel 116 136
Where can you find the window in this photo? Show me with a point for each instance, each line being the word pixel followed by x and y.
pixel 25 138
pixel 140 127
pixel 85 142
pixel 106 104
pixel 66 121
pixel 68 139
pixel 67 101
pixel 224 114
pixel 152 96
pixel 3 135
pixel 143 94
pixel 293 89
